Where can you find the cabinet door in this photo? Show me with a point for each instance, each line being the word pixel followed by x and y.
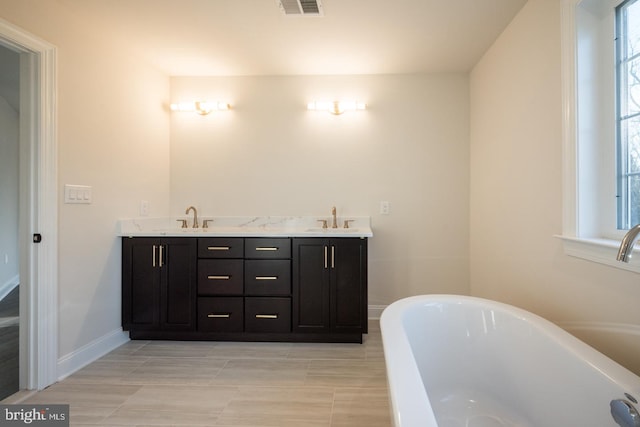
pixel 348 259
pixel 140 283
pixel 158 284
pixel 310 285
pixel 178 284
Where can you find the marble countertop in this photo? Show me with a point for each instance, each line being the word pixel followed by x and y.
pixel 241 226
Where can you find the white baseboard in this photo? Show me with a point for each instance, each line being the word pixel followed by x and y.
pixel 375 311
pixel 8 286
pixel 78 359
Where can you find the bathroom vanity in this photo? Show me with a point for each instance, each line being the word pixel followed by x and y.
pixel 273 279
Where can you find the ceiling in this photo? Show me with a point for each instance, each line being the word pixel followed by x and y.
pixel 253 37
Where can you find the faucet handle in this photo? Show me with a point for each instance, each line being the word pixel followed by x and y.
pixel 347 221
pixel 205 223
pixel 324 223
pixel 183 223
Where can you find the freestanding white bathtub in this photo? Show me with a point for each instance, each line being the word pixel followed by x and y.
pixel 456 361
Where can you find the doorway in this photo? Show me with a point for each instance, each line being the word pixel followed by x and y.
pixel 9 248
pixel 36 207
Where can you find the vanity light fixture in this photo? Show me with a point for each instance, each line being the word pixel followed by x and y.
pixel 201 107
pixel 336 107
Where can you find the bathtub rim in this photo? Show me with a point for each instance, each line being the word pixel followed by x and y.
pixel 415 409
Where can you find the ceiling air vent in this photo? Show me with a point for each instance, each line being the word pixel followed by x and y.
pixel 301 7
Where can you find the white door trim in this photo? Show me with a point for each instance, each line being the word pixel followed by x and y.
pixel 38 206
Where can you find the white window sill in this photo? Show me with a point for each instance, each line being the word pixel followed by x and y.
pixel 603 251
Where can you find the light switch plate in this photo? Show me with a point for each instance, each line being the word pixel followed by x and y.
pixel 77 194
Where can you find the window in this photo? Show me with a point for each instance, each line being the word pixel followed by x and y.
pixel 628 112
pixel 601 127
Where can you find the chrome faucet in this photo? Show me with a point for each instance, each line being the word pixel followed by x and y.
pixel 626 246
pixel 195 216
pixel 334 221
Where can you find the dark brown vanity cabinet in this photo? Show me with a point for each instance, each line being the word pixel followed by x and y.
pixel 330 285
pixel 158 284
pixel 245 289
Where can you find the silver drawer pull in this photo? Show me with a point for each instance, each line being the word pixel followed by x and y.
pixel 266 316
pixel 260 248
pixel 218 248
pixel 215 316
pixel 266 277
pixel 218 277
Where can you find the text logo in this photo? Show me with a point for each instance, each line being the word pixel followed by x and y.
pixel 34 415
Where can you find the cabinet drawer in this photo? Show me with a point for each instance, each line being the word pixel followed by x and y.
pixel 220 276
pixel 267 248
pixel 267 314
pixel 267 277
pixel 223 314
pixel 220 247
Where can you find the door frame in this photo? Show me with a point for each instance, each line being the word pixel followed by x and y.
pixel 38 207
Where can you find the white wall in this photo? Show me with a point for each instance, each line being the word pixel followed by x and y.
pixel 268 155
pixel 516 197
pixel 9 270
pixel 113 134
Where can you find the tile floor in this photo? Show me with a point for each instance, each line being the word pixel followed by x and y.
pixel 150 383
